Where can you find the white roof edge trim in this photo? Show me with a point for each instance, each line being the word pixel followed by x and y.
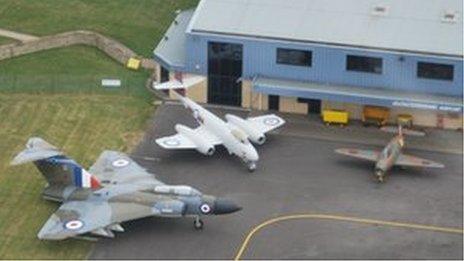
pixel 337 46
pixel 194 17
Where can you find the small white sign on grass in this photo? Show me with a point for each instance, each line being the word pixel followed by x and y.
pixel 111 83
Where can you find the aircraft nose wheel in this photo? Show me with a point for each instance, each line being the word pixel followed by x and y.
pixel 198 224
pixel 251 166
pixel 380 176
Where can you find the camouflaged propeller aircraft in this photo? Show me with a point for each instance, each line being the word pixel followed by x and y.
pixel 115 189
pixel 391 155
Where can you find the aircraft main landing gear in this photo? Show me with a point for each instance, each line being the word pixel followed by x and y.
pixel 198 223
pixel 380 176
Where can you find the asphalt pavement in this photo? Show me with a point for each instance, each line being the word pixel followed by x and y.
pixel 296 174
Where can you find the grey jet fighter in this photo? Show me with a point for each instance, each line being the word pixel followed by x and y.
pixel 391 155
pixel 114 190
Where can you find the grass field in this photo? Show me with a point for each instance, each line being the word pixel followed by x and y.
pixel 138 24
pixel 77 69
pixel 83 125
pixel 4 40
pixel 57 95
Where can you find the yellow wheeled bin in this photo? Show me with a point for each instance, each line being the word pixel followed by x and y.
pixel 404 120
pixel 133 63
pixel 375 114
pixel 335 116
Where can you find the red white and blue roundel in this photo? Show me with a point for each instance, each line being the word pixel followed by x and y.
pixel 205 208
pixel 119 163
pixel 273 121
pixel 74 224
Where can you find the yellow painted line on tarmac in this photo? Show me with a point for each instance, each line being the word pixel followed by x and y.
pixel 346 219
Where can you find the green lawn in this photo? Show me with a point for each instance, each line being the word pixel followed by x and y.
pixel 57 95
pixel 139 24
pixel 4 40
pixel 83 125
pixel 76 69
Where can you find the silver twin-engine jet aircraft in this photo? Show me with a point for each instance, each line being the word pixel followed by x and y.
pixel 235 133
pixel 114 190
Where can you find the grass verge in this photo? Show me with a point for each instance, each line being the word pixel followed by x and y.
pixel 83 125
pixel 57 95
pixel 138 24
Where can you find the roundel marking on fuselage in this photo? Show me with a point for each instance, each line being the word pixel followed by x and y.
pixel 271 121
pixel 172 142
pixel 119 163
pixel 205 208
pixel 75 224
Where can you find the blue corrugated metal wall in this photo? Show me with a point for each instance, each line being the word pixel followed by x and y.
pixel 328 65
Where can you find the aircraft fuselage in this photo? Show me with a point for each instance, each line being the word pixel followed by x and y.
pixel 388 157
pixel 240 147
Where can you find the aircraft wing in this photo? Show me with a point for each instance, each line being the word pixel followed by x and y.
pixel 114 167
pixel 411 161
pixel 75 218
pixel 266 123
pixel 179 141
pixel 370 155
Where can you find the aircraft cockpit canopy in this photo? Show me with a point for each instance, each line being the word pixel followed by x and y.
pixel 240 135
pixel 177 190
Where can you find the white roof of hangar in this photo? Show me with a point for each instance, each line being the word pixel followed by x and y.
pixel 411 26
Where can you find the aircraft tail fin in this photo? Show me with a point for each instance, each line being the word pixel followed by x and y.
pixel 175 84
pixel 55 166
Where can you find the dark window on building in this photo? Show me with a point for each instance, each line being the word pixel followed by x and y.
pixel 364 64
pixel 273 102
pixel 224 71
pixel 294 57
pixel 164 75
pixel 435 71
pixel 314 105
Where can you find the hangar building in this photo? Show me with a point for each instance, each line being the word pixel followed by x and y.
pixel 303 56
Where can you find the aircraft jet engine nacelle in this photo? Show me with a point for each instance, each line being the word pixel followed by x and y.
pixel 203 146
pixel 254 135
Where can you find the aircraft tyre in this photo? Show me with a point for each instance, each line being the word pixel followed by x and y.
pixel 380 175
pixel 251 166
pixel 198 224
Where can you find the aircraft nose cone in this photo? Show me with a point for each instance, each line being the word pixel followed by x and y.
pixel 253 156
pixel 225 206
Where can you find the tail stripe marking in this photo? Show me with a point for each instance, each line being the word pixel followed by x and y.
pixel 78 176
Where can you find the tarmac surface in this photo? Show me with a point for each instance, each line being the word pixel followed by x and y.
pixel 297 174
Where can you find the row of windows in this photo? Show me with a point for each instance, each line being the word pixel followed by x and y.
pixel 366 64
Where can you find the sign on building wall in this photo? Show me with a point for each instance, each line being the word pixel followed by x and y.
pixel 426 106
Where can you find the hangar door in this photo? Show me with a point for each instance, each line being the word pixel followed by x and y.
pixel 224 71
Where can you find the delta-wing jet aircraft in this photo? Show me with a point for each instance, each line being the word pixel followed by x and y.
pixel 391 155
pixel 235 134
pixel 115 189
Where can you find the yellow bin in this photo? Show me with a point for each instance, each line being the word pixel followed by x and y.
pixel 404 120
pixel 335 116
pixel 133 64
